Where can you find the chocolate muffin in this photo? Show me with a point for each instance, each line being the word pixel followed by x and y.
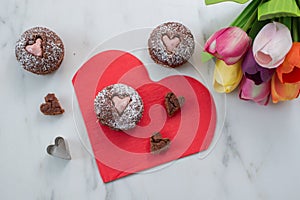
pixel 118 106
pixel 40 50
pixel 171 44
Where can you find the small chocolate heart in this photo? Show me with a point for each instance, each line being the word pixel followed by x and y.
pixel 170 44
pixel 35 48
pixel 120 103
pixel 51 106
pixel 59 149
pixel 173 104
pixel 158 144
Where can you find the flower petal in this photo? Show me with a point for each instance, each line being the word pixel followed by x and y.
pixel 253 71
pixel 227 77
pixel 257 93
pixel 269 48
pixel 228 44
pixel 263 37
pixel 249 64
pixel 232 42
pixel 283 91
pixel 289 70
pixel 210 45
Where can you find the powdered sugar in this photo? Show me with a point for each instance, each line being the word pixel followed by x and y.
pixel 108 114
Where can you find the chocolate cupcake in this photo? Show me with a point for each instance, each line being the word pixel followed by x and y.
pixel 118 106
pixel 40 50
pixel 171 44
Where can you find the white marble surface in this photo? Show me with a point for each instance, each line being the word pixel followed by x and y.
pixel 257 156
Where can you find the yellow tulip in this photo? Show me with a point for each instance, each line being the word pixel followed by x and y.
pixel 227 77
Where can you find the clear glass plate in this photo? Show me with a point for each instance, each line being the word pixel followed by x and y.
pixel 135 42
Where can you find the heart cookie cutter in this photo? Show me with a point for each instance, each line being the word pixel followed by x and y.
pixel 59 149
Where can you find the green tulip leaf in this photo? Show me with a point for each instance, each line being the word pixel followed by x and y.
pixel 295 27
pixel 209 2
pixel 278 8
pixel 206 56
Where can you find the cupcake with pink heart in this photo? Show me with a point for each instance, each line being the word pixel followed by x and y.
pixel 171 44
pixel 40 50
pixel 119 107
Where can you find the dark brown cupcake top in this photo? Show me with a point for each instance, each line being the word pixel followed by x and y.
pixel 118 106
pixel 171 44
pixel 40 50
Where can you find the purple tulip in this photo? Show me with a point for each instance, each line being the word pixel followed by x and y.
pixel 228 44
pixel 271 45
pixel 254 71
pixel 257 93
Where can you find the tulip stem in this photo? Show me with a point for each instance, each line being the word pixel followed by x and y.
pixel 256 27
pixel 250 21
pixel 295 29
pixel 286 21
pixel 242 19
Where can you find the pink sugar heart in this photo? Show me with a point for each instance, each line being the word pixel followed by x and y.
pixel 170 44
pixel 36 48
pixel 120 103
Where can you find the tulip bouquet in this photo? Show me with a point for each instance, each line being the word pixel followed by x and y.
pixel 259 52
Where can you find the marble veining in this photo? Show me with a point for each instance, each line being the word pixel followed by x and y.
pixel 109 191
pixel 256 157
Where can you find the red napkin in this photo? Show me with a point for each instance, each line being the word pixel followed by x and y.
pixel 119 153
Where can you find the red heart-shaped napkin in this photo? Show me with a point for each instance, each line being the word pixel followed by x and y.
pixel 119 153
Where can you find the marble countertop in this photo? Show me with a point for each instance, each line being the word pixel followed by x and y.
pixel 256 157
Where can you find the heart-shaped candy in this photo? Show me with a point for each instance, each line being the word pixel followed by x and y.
pixel 158 144
pixel 51 106
pixel 173 104
pixel 170 44
pixel 120 103
pixel 35 48
pixel 59 149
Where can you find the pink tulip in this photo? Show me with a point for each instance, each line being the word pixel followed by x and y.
pixel 257 93
pixel 228 44
pixel 271 45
